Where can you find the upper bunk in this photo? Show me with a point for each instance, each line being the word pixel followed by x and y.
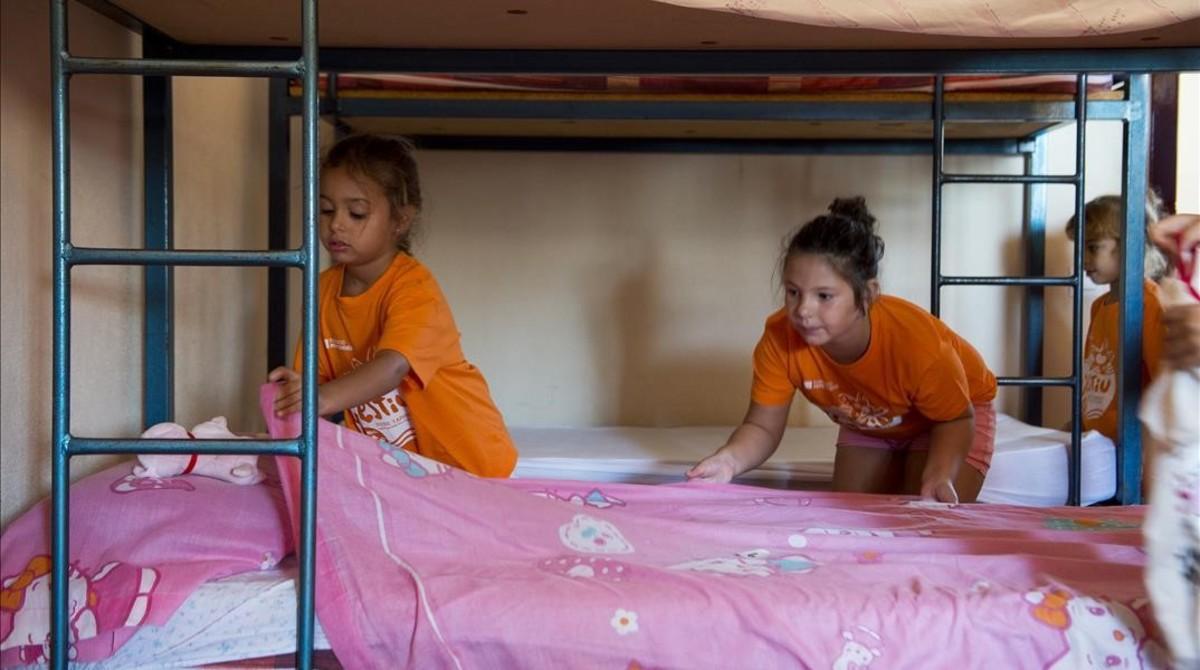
pixel 738 70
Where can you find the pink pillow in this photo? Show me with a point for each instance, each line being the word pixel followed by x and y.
pixel 139 547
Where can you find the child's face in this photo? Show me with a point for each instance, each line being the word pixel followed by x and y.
pixel 820 303
pixel 1102 260
pixel 357 226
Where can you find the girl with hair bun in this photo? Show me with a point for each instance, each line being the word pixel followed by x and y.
pixel 912 398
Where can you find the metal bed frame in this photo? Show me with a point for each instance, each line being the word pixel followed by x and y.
pixel 164 58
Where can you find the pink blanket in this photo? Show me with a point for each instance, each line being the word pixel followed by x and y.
pixel 139 546
pixel 420 565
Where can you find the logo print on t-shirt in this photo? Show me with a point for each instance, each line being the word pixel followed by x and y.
pixel 385 419
pixel 855 411
pixel 1099 380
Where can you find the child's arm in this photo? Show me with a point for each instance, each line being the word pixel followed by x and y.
pixel 750 445
pixel 949 442
pixel 382 374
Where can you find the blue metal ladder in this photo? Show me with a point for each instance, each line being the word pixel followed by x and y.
pixel 158 259
pixel 1136 140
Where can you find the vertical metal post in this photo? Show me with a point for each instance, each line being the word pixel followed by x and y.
pixel 308 477
pixel 279 138
pixel 158 353
pixel 60 466
pixel 939 145
pixel 1034 304
pixel 1075 455
pixel 1133 241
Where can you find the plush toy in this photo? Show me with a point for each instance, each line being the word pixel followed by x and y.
pixel 238 469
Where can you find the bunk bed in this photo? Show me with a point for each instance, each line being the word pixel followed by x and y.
pixel 780 114
pixel 630 38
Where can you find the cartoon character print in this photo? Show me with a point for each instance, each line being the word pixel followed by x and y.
pixel 412 464
pixel 855 654
pixel 131 483
pixel 594 498
pixel 1099 379
pixel 116 595
pixel 590 567
pixel 1099 632
pixel 593 536
pixel 856 411
pixel 750 563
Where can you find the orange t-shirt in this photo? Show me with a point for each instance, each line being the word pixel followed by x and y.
pixel 453 418
pixel 915 372
pixel 1100 356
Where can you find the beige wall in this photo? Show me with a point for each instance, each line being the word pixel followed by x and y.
pixel 609 289
pixel 106 364
pixel 220 185
pixel 622 289
pixel 1187 195
pixel 221 203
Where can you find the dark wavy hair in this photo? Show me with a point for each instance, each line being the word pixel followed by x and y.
pixel 387 161
pixel 846 238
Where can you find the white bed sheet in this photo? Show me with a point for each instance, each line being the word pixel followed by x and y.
pixel 1029 467
pixel 245 616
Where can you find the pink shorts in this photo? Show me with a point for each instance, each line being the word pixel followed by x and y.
pixel 979 457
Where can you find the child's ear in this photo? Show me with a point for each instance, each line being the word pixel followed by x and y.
pixel 404 220
pixel 872 291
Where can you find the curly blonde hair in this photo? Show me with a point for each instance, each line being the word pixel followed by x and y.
pixel 1102 218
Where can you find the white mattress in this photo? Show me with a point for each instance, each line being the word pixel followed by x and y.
pixel 1029 467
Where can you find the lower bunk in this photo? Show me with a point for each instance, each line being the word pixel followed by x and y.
pixel 421 565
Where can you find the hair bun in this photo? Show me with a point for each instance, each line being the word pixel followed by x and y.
pixel 854 209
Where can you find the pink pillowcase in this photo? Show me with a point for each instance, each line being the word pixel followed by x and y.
pixel 138 547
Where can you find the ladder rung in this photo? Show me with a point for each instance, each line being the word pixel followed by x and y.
pixel 84 446
pixel 1035 381
pixel 1009 179
pixel 1007 281
pixel 175 67
pixel 217 258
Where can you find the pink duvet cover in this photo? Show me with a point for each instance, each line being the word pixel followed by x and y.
pixel 423 566
pixel 138 548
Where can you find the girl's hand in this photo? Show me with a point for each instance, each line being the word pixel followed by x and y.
pixel 718 469
pixel 287 400
pixel 939 488
pixel 1184 226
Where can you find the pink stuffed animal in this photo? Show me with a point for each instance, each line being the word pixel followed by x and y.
pixel 234 468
